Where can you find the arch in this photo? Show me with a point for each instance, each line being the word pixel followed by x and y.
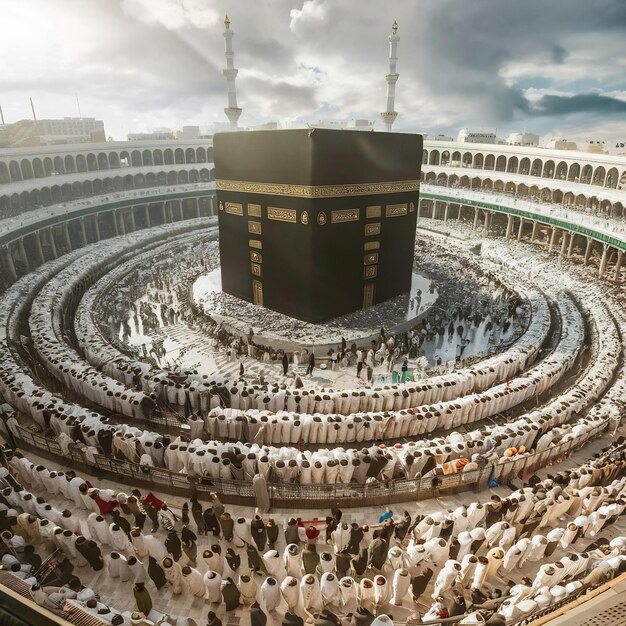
pixel 445 157
pixel 561 171
pixel 501 163
pixel 77 189
pixel 593 203
pixel 14 169
pixel 179 156
pixel 476 182
pixel 183 177
pixel 108 185
pixel 146 157
pixel 464 182
pixel 66 192
pixel 92 162
pixel 38 168
pixel 599 175
pixel 81 163
pixel 546 195
pixel 97 187
pixel 194 176
pixel 605 207
pixel 522 190
pixel 27 169
pixel 103 161
pixel 424 157
pixel 581 200
pixel 168 157
pixel 487 184
pixel 512 165
pixel 585 176
pixel 55 193
pixel 172 179
pixel 118 183
pixel 498 186
pixel 15 202
pixel 467 159
pixel 124 158
pixel 114 159
pixel 524 167
pixel 135 158
pixel 568 198
pixel 128 182
pixel 46 196
pixel 205 175
pixel 456 157
pixel 479 161
pixel 24 199
pixel 612 178
pixel 190 155
pixel 200 155
pixel 453 180
pixel 5 176
pixel 490 162
pixel 88 188
pixel 433 159
pixel 533 191
pixel 617 210
pixel 162 178
pixel 535 169
pixel 212 173
pixel 157 157
pixel 209 154
pixel 151 179
pixel 510 188
pixel 48 166
pixel 139 181
pixel 70 165
pixel 548 169
pixel 431 177
pixel 574 172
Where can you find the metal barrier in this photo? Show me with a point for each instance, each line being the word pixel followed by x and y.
pixel 307 496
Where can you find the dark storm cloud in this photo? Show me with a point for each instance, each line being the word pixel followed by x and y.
pixel 592 103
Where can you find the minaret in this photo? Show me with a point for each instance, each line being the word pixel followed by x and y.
pixel 232 112
pixel 389 116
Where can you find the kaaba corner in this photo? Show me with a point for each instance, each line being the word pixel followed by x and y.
pixel 317 223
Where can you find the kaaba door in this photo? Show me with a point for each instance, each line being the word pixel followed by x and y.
pixel 368 295
pixel 257 292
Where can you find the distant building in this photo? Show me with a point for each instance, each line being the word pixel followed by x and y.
pixel 156 135
pixel 188 133
pixel 439 137
pixel 561 144
pixel 523 139
pixel 475 136
pixel 52 132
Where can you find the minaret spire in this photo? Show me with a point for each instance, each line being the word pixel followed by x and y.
pixel 232 111
pixel 389 116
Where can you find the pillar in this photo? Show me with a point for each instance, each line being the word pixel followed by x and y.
pixel 163 213
pixel 132 219
pixel 42 258
pixel 446 211
pixel 120 216
pixel 588 250
pixel 570 248
pixel 552 239
pixel 605 256
pixel 146 208
pixel 53 244
pixel 66 234
pixel 618 265
pixel 534 233
pixel 475 218
pixel 113 215
pixel 197 207
pixel 180 210
pixel 419 208
pixel 96 227
pixel 564 243
pixel 521 228
pixel 9 261
pixel 83 232
pixel 509 226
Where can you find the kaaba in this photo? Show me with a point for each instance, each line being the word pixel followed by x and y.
pixel 316 223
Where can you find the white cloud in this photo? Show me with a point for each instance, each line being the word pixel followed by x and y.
pixel 312 11
pixel 172 14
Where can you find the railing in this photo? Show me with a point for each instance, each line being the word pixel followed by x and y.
pixel 308 496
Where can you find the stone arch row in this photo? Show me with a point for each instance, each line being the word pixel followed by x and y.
pixel 66 192
pixel 581 201
pixel 610 177
pixel 15 170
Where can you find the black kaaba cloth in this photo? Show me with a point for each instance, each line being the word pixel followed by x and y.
pixel 316 223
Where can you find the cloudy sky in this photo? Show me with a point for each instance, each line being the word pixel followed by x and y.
pixel 547 66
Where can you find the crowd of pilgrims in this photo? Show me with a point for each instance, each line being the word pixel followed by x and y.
pixel 463 562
